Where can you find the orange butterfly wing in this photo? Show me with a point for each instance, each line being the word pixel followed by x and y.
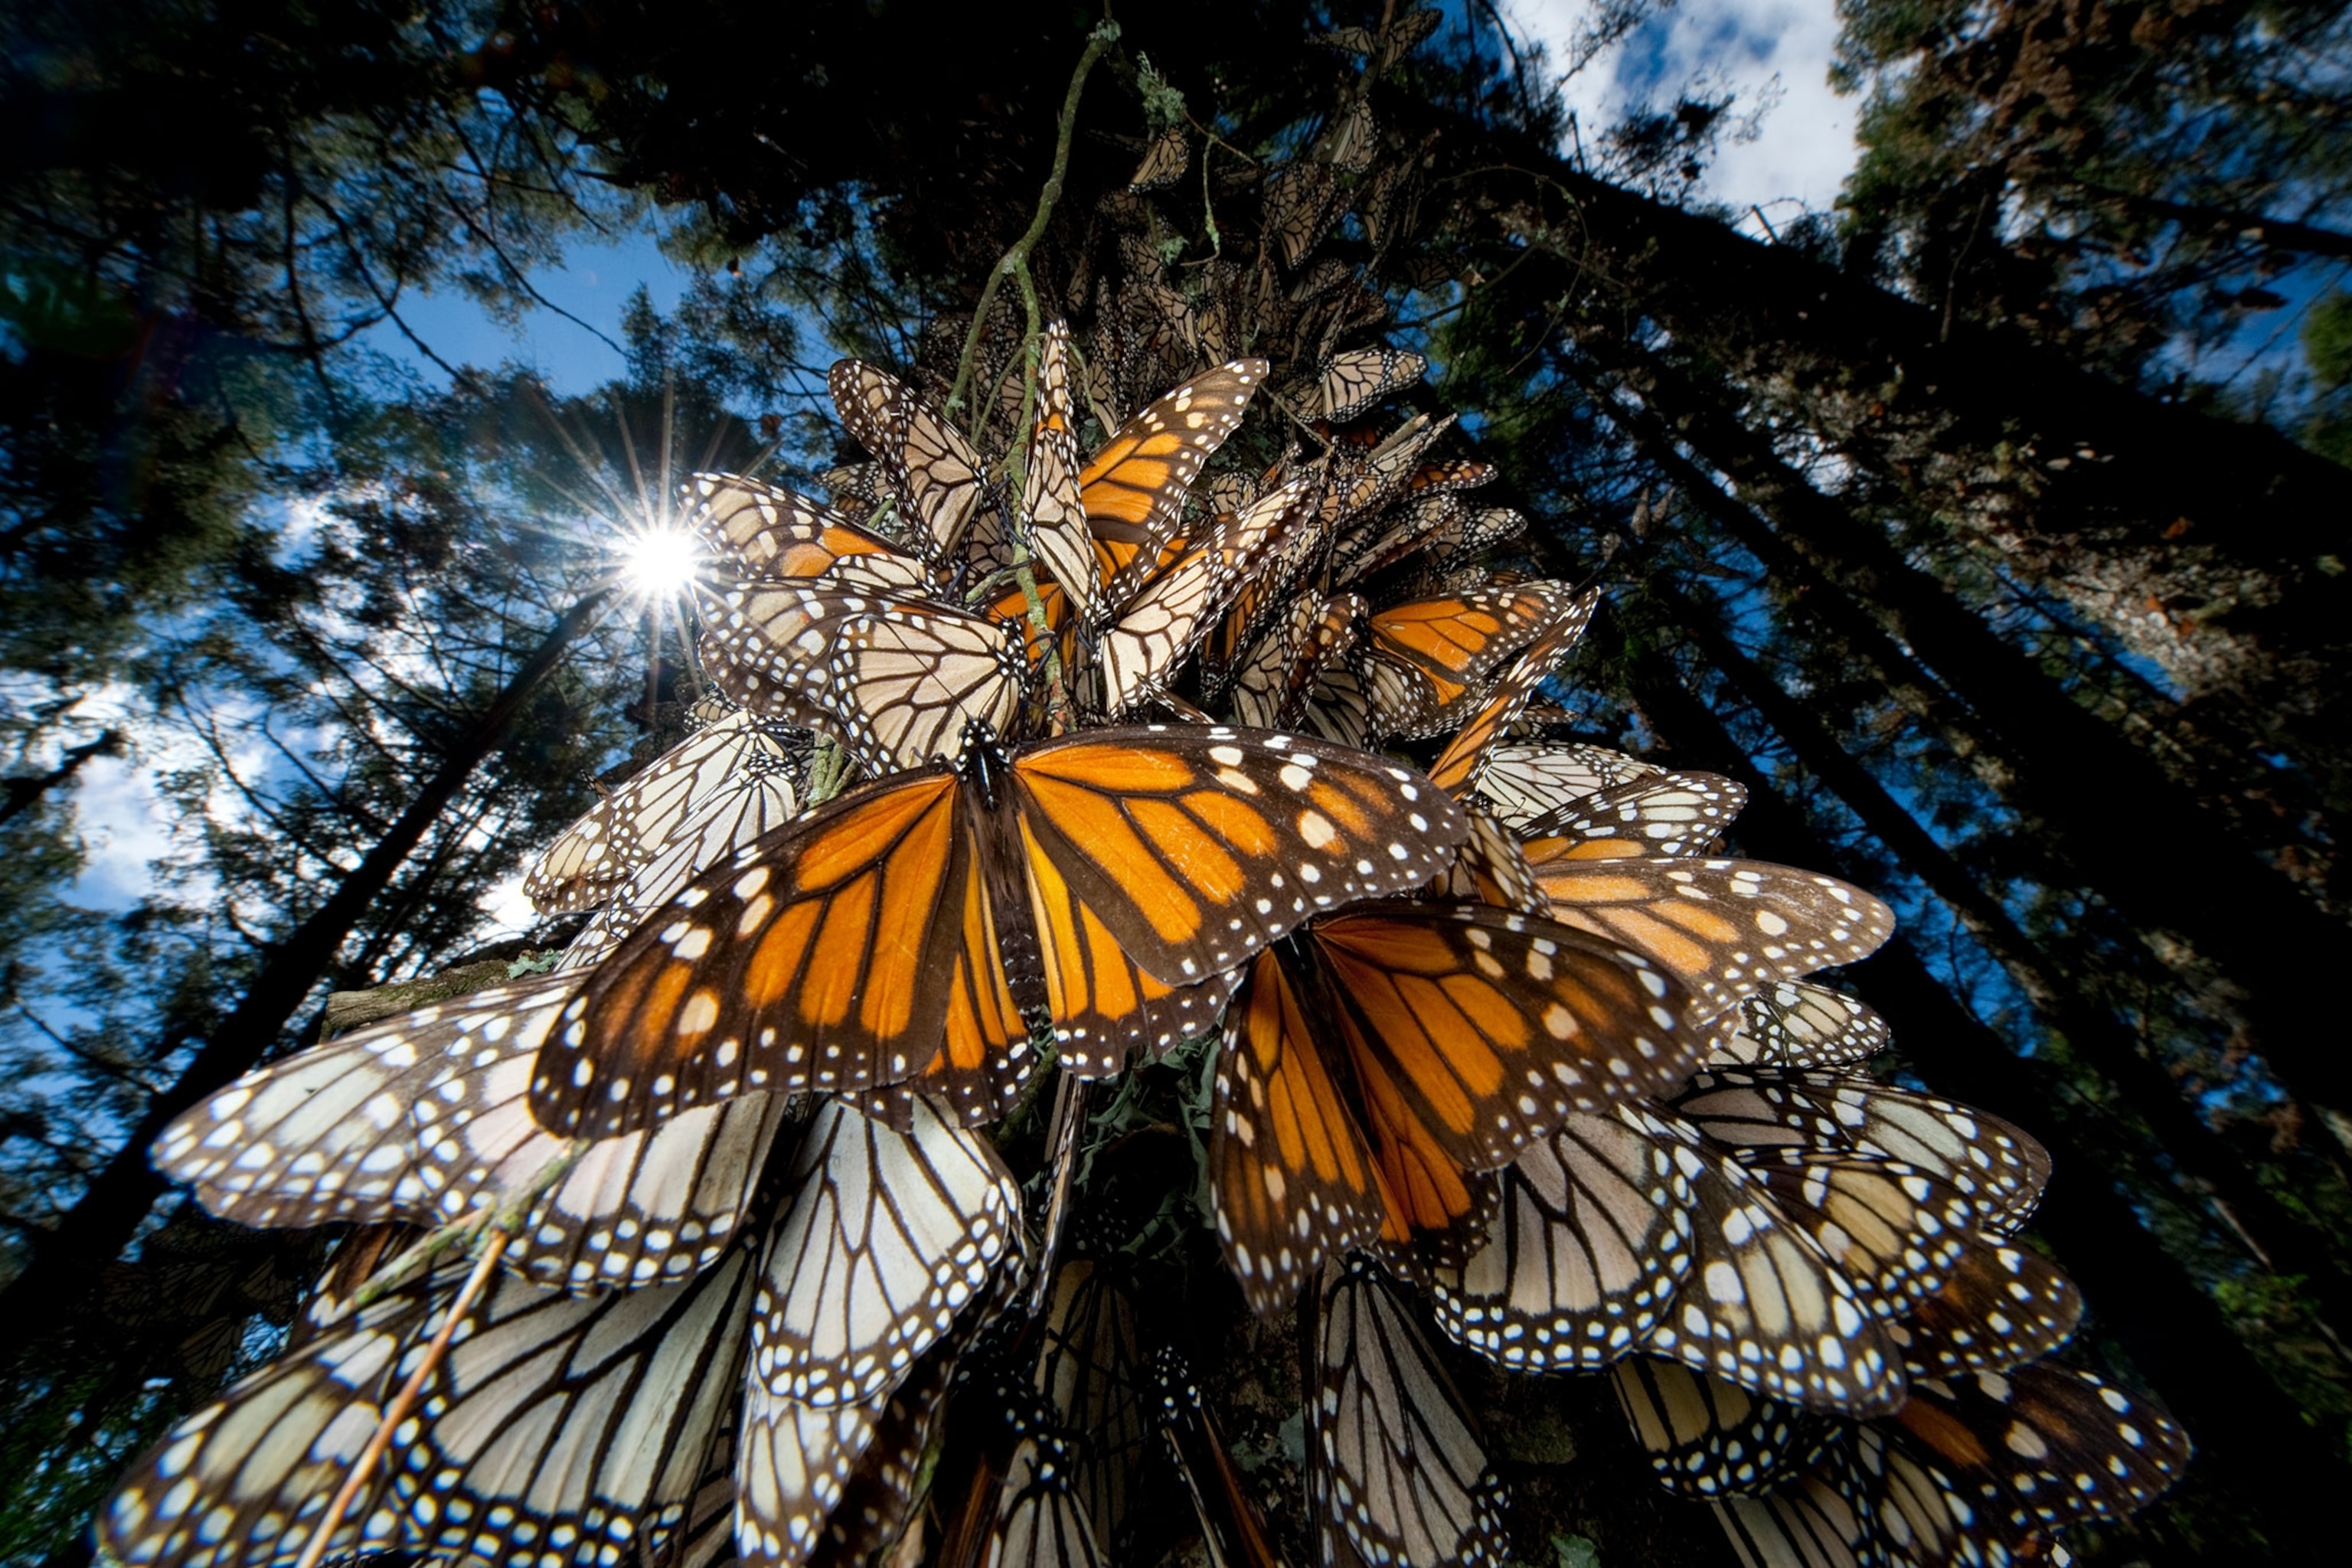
pixel 1195 846
pixel 805 961
pixel 1290 1177
pixel 1134 489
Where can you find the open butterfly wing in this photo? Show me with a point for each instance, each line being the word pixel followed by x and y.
pixel 1195 846
pixel 817 957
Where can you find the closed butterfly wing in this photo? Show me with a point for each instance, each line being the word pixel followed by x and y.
pixel 1795 1024
pixel 1396 1473
pixel 1726 929
pixel 1458 767
pixel 1892 1230
pixel 1761 1307
pixel 793 1465
pixel 756 800
pixel 769 646
pixel 593 856
pixel 582 1422
pixel 1352 382
pixel 1706 1438
pixel 1490 869
pixel 2043 1446
pixel 2002 1305
pixel 1231 1526
pixel 1780 1114
pixel 1438 654
pixel 886 1235
pixel 1522 781
pixel 245 1479
pixel 1133 489
pixel 1090 1370
pixel 932 470
pixel 1290 1175
pixel 1164 161
pixel 1582 1255
pixel 1158 630
pixel 1813 1525
pixel 1051 497
pixel 1663 814
pixel 1298 208
pixel 758 530
pixel 908 686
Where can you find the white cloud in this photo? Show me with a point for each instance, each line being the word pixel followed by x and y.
pixel 1765 51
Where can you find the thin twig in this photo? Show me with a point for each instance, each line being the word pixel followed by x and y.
pixel 397 1410
pixel 1016 260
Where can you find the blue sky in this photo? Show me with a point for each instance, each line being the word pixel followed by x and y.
pixel 593 285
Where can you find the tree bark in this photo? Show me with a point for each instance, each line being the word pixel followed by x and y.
pixel 2244 1425
pixel 102 1223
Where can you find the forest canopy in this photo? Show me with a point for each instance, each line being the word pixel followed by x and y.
pixel 1986 532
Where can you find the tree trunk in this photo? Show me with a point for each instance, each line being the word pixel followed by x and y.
pixel 25 792
pixel 2107 496
pixel 2048 980
pixel 102 1222
pixel 2154 851
pixel 2246 1428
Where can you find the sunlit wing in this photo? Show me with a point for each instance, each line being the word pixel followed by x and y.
pixel 886 1235
pixel 1458 767
pixel 931 468
pixel 1051 498
pixel 1659 813
pixel 907 686
pixel 763 532
pixel 1134 488
pixel 1795 1024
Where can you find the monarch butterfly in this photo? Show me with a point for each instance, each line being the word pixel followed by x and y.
pixel 1706 1438
pixel 1726 929
pixel 1274 683
pixel 1431 660
pixel 1892 1230
pixel 1133 489
pixel 420 1119
pixel 1361 485
pixel 1298 208
pixel 1351 142
pixel 1390 536
pixel 1972 1469
pixel 1658 814
pixel 1490 869
pixel 762 532
pixel 759 799
pixel 2001 1306
pixel 588 1421
pixel 1795 1024
pixel 1376 1059
pixel 1090 1369
pixel 912 930
pixel 1164 161
pixel 885 1237
pixel 1348 383
pixel 1395 1470
pixel 593 856
pixel 1399 37
pixel 878 1497
pixel 1458 767
pixel 1230 1524
pixel 1773 1110
pixel 931 469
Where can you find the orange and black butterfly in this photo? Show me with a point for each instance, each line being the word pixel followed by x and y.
pixel 1430 662
pixel 920 930
pixel 1458 767
pixel 1380 1057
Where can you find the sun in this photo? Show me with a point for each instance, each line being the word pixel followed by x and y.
pixel 659 563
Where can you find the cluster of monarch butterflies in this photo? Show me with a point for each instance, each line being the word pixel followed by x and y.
pixel 1495 1060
